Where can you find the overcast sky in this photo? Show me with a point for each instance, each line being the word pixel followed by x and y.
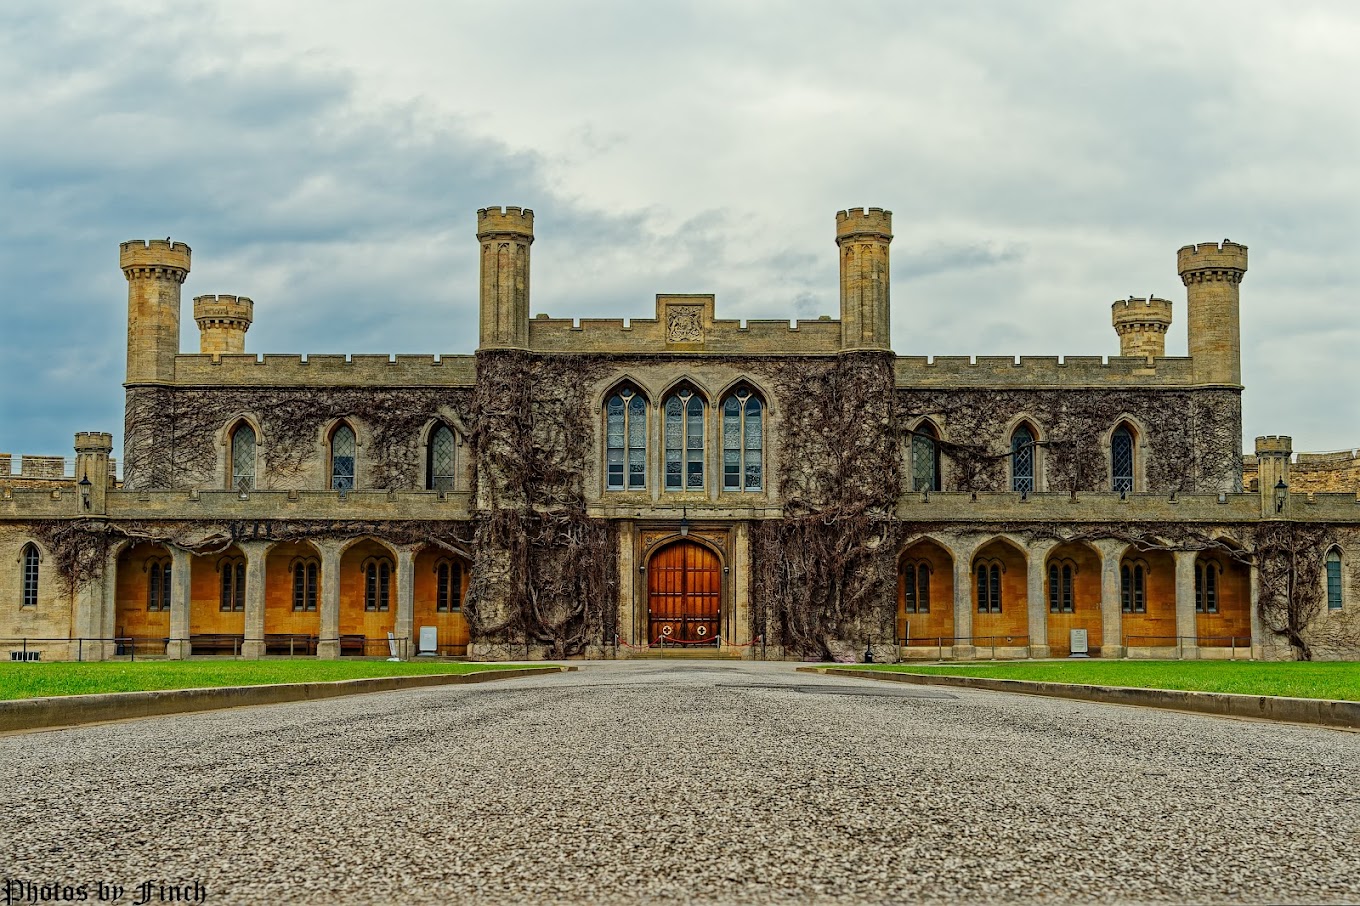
pixel 327 158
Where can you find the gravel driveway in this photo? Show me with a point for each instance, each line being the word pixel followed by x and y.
pixel 688 781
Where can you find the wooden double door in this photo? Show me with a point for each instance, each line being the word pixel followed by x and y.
pixel 684 594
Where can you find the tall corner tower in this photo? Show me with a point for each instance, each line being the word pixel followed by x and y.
pixel 155 271
pixel 1212 273
pixel 863 238
pixel 505 235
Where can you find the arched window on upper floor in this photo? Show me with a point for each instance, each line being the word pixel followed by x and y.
pixel 441 459
pixel 1023 459
pixel 241 458
pixel 343 447
pixel 305 574
pixel 625 440
pixel 925 458
pixel 29 582
pixel 684 433
pixel 377 584
pixel 1121 458
pixel 1334 599
pixel 743 441
pixel 158 584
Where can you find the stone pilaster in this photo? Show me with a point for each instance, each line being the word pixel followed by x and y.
pixel 181 602
pixel 404 625
pixel 328 646
pixel 1186 627
pixel 256 554
pixel 1038 602
pixel 1111 612
pixel 963 600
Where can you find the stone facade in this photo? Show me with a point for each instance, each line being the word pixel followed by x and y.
pixel 603 488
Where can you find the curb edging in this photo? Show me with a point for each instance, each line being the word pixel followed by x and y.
pixel 72 710
pixel 1321 712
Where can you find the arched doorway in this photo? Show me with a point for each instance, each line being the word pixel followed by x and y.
pixel 684 594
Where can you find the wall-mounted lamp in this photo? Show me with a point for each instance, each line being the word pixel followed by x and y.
pixel 86 486
pixel 684 522
pixel 1281 495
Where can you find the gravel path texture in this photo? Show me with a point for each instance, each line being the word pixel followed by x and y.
pixel 688 781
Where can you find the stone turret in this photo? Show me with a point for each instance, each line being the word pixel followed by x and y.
pixel 93 449
pixel 1141 325
pixel 155 271
pixel 505 235
pixel 222 323
pixel 863 238
pixel 1273 454
pixel 1212 273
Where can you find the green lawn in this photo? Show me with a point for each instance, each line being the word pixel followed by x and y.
pixel 33 680
pixel 1334 680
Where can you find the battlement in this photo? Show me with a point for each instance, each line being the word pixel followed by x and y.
pixel 1042 372
pixel 94 442
pixel 1275 445
pixel 510 219
pixel 156 253
pixel 223 308
pixel 325 371
pixel 1151 311
pixel 860 222
pixel 1211 256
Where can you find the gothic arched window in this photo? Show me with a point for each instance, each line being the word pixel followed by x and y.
pixel 31 560
pixel 989 588
pixel 1121 458
pixel 1060 587
pixel 1133 587
pixel 743 442
pixel 916 587
pixel 232 593
pixel 448 586
pixel 158 585
pixel 305 574
pixel 242 458
pixel 441 459
pixel 1206 586
pixel 626 441
pixel 377 584
pixel 1022 459
pixel 1334 579
pixel 684 414
pixel 925 458
pixel 343 447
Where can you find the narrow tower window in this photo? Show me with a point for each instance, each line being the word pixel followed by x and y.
pixel 626 441
pixel 742 442
pixel 1022 459
pixel 1121 458
pixel 343 448
pixel 441 458
pixel 925 459
pixel 1333 579
pixel 242 458
pixel 30 580
pixel 684 441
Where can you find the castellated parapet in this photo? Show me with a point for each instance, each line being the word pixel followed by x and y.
pixel 154 270
pixel 505 235
pixel 863 237
pixel 1212 273
pixel 1141 325
pixel 222 323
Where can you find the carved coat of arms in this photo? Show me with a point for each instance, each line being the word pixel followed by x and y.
pixel 684 324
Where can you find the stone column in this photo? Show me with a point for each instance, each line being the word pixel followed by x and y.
pixel 108 618
pixel 1257 642
pixel 328 645
pixel 1185 603
pixel 405 623
pixel 88 619
pixel 740 576
pixel 1038 601
pixel 963 601
pixel 627 587
pixel 1111 607
pixel 181 602
pixel 256 553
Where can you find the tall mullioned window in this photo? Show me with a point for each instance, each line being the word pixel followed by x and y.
pixel 1133 588
pixel 1334 579
pixel 1121 458
pixel 1022 459
pixel 743 441
pixel 31 561
pixel 242 458
pixel 232 590
pixel 684 428
pixel 378 584
pixel 626 441
pixel 1060 598
pixel 448 586
pixel 305 575
pixel 925 458
pixel 343 449
pixel 916 587
pixel 988 588
pixel 441 459
pixel 1206 586
pixel 158 585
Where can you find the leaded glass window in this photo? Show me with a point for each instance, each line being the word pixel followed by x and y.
pixel 30 581
pixel 626 441
pixel 1121 458
pixel 343 447
pixel 684 429
pixel 442 458
pixel 1022 459
pixel 1206 587
pixel 743 442
pixel 1125 589
pixel 1139 589
pixel 158 585
pixel 925 459
pixel 232 595
pixel 1333 580
pixel 242 475
pixel 988 588
pixel 305 585
pixel 377 585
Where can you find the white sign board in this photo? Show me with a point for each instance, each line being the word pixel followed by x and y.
pixel 429 640
pixel 1080 647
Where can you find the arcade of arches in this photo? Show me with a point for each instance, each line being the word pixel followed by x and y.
pixel 1025 600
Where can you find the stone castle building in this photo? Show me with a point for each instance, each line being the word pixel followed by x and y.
pixel 604 488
